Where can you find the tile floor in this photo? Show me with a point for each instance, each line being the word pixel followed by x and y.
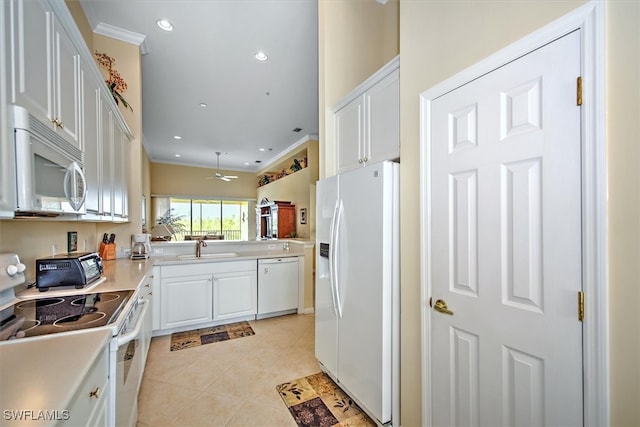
pixel 229 383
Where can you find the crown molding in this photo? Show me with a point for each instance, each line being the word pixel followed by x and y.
pixel 123 35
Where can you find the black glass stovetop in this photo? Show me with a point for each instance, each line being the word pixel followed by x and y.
pixel 42 316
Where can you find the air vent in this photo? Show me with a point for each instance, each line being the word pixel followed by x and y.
pixel 258 161
pixel 297 129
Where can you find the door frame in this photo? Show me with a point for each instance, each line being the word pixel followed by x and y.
pixel 590 19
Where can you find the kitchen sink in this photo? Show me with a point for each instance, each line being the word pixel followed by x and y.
pixel 208 256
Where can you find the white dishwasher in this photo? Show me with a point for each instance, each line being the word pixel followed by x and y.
pixel 277 286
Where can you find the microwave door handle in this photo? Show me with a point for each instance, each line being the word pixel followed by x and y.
pixel 75 179
pixel 130 336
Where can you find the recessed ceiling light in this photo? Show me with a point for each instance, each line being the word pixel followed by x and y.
pixel 263 149
pixel 246 163
pixel 164 24
pixel 261 56
pixel 178 155
pixel 177 137
pixel 203 105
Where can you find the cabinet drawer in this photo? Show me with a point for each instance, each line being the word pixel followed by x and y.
pixel 234 266
pixel 91 394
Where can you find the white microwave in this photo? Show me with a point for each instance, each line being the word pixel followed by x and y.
pixel 49 170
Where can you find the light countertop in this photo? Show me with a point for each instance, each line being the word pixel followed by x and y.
pixel 238 256
pixel 43 374
pixel 118 275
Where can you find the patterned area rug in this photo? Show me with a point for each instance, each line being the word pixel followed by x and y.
pixel 316 401
pixel 198 337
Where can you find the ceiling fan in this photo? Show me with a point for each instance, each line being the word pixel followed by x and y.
pixel 218 175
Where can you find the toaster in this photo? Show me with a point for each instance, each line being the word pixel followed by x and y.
pixel 77 269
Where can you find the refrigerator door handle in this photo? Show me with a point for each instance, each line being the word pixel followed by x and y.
pixel 336 259
pixel 332 257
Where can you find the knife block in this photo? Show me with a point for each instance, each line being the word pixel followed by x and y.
pixel 107 251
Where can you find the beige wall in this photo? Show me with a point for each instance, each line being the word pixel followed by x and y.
pixel 292 188
pixel 176 180
pixel 623 151
pixel 295 187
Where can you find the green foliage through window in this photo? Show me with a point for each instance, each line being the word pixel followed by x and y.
pixel 216 219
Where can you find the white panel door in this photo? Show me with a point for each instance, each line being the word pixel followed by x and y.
pixel 506 245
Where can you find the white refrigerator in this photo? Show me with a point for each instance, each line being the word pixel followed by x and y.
pixel 357 286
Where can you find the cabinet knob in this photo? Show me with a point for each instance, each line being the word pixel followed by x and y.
pixel 366 159
pixel 360 160
pixel 95 393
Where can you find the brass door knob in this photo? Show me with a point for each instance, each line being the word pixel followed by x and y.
pixel 441 306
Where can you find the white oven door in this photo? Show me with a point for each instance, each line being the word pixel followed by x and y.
pixel 128 357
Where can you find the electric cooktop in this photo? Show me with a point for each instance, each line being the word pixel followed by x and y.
pixel 42 316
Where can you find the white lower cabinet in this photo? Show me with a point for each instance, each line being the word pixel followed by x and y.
pixel 199 293
pixel 186 300
pixel 234 294
pixel 89 402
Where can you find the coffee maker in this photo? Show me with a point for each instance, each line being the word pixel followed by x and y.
pixel 140 246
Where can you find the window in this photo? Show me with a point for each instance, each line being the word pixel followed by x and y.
pixel 215 219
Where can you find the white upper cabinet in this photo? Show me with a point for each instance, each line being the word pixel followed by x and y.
pixel 52 74
pixel 367 121
pixel 45 68
pixel 119 186
pixel 7 152
pixel 91 137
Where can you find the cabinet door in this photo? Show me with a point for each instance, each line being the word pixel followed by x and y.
pixel 234 294
pixel 349 129
pixel 155 298
pixel 185 301
pixel 45 67
pixel 286 220
pixel 382 131
pixel 32 77
pixel 91 141
pixel 106 142
pixel 117 171
pixel 7 157
pixel 66 99
pixel 89 401
pixel 120 160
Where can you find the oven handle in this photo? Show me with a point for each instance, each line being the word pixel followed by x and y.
pixel 126 338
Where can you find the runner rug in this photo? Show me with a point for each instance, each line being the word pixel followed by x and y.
pixel 316 401
pixel 198 337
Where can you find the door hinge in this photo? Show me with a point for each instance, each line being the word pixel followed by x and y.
pixel 579 91
pixel 581 306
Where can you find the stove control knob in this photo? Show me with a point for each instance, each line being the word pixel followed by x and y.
pixel 14 269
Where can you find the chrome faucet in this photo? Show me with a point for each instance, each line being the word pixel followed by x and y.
pixel 199 244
